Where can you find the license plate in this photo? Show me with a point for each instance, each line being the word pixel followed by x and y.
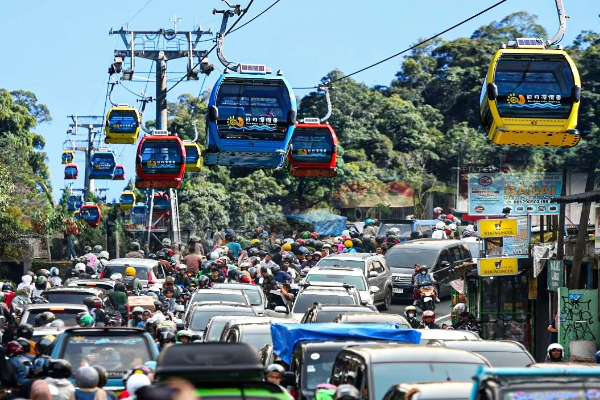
pixel 395 290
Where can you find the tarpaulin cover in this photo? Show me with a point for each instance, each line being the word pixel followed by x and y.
pixel 325 224
pixel 285 336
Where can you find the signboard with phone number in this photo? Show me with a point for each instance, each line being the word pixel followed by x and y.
pixel 491 193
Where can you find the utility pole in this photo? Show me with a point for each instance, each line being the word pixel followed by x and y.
pixel 91 122
pixel 161 46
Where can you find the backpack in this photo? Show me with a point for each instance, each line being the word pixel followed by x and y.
pixel 129 284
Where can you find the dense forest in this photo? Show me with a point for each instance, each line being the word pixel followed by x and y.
pixel 404 136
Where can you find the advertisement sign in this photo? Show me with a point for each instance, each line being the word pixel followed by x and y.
pixel 462 195
pixel 524 194
pixel 555 274
pixel 597 235
pixel 518 246
pixel 489 228
pixel 497 266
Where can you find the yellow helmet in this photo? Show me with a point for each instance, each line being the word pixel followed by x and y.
pixel 129 271
pixel 287 247
pixel 348 243
pixel 254 241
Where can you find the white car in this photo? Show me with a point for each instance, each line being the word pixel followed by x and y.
pixel 344 275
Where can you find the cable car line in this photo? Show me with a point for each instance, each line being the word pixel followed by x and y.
pixel 264 11
pixel 411 47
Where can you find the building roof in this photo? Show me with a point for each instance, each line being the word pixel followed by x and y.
pixel 587 197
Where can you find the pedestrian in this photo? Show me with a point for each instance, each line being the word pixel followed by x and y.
pixel 553 329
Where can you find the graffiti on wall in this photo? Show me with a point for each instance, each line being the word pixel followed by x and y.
pixel 578 317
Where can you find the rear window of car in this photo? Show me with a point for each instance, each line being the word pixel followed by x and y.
pixel 201 316
pixel 303 302
pixel 405 257
pixel 67 297
pixel 354 280
pixel 116 353
pixel 208 295
pixel 65 314
pixel 330 262
pixel 140 272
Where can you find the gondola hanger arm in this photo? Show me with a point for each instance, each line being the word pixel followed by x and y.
pixel 562 20
pixel 325 88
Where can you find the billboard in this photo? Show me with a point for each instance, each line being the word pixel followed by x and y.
pixel 492 228
pixel 523 193
pixel 518 246
pixel 497 266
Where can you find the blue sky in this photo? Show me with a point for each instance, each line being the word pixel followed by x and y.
pixel 61 49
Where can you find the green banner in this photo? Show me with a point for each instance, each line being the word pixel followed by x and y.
pixel 555 274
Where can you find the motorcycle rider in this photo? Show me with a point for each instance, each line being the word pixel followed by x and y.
pixel 274 374
pixel 425 278
pixel 95 305
pixel 429 321
pixel 410 312
pixel 132 283
pixel 181 279
pixel 555 353
pixel 136 317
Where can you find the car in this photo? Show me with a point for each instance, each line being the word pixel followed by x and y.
pixel 350 276
pixel 441 256
pixel 256 335
pixel 228 295
pixel 430 391
pixel 428 335
pixel 474 244
pixel 311 293
pixel 327 313
pixel 106 284
pixel 374 368
pixel 407 226
pixel 200 313
pixel 236 373
pixel 500 353
pixel 116 349
pixel 217 324
pixel 149 272
pixel 375 269
pixel 39 333
pixel 76 294
pixel 63 311
pixel 254 293
pixel 372 318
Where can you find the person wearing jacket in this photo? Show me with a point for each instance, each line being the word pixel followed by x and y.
pixel 280 276
pixel 555 353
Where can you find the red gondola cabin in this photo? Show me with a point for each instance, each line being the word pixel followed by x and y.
pixel 314 150
pixel 160 162
pixel 119 173
pixel 91 214
pixel 71 171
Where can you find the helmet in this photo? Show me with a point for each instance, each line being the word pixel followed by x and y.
pixel 134 246
pixel 428 313
pixel 137 309
pixel 317 253
pixel 347 392
pixel 92 302
pixel 102 375
pixel 287 247
pixel 53 271
pixel 305 235
pixel 597 357
pixel 410 308
pixel 25 344
pixel 452 226
pixel 87 377
pixel 356 242
pixel 25 331
pixel 47 317
pixel 166 337
pixel 314 235
pixel 392 238
pixel 87 249
pixel 264 235
pixel 275 268
pixel 7 287
pixel 14 349
pixel 80 315
pixel 166 242
pixel 184 333
pixel 130 271
pixel 309 243
pixel 137 381
pixel 394 231
pixel 301 242
pixel 104 254
pixel 348 244
pixel 555 346
pixel 116 276
pixel 369 221
pixel 255 241
pixel 275 368
pixel 41 365
pixel 60 369
pixel 252 270
pixel 44 344
pixel 43 272
pixel 440 225
pixel 80 267
pixel 318 245
pixel 41 283
pixel 161 254
pixel 86 321
pixel 120 287
pixel 57 323
pixel 424 268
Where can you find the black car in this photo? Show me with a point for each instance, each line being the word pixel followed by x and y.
pixel 500 353
pixel 440 255
pixel 327 313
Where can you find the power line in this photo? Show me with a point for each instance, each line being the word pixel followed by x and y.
pixel 411 47
pixel 264 11
pixel 141 9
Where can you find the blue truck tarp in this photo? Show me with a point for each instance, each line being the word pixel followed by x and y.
pixel 325 224
pixel 285 336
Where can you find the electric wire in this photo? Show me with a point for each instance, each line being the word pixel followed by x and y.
pixel 411 47
pixel 264 11
pixel 137 13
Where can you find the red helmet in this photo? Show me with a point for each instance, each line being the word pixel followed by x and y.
pixel 428 313
pixel 301 242
pixel 450 217
pixel 314 235
pixel 14 348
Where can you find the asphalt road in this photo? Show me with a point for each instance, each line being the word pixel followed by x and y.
pixel 442 310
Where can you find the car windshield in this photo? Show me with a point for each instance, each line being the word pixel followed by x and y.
pixel 65 314
pixel 209 295
pixel 140 272
pixel 67 297
pixel 330 262
pixel 329 316
pixel 386 374
pixel 571 393
pixel 354 280
pixel 317 368
pixel 257 339
pixel 116 353
pixel 215 331
pixel 201 316
pixel 406 256
pixel 303 302
pixel 502 359
pixel 405 229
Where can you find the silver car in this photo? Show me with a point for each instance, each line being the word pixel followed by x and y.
pixel 253 292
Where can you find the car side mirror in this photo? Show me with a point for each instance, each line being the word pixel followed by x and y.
pixel 180 326
pixel 196 337
pixel 213 113
pixel 373 274
pixel 445 264
pixel 492 91
pixel 281 309
pixel 374 289
pixel 289 379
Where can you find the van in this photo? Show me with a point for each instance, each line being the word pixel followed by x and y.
pixel 407 226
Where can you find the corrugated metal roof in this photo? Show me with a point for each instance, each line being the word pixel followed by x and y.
pixel 587 197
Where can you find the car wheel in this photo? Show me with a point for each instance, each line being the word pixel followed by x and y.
pixel 387 300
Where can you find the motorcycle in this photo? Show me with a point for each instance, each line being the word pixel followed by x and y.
pixel 426 297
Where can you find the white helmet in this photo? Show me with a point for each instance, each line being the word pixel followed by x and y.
pixel 440 225
pixel 116 276
pixel 554 346
pixel 394 231
pixel 104 254
pixel 288 240
pixel 80 267
pixel 452 227
pixel 214 255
